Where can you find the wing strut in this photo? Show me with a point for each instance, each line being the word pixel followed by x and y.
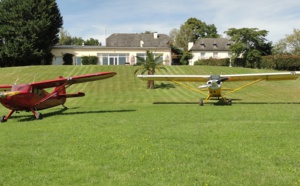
pixel 241 87
pixel 189 87
pixel 53 93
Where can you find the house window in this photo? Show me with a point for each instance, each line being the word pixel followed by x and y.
pixel 202 55
pixel 78 61
pixel 143 55
pixel 113 59
pixel 215 55
pixel 58 61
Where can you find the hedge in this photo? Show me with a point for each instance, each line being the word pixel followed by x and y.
pixel 287 62
pixel 213 62
pixel 89 60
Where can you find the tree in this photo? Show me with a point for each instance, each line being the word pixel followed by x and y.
pixel 66 39
pixel 250 43
pixel 28 30
pixel 150 65
pixel 180 57
pixel 92 42
pixel 289 45
pixel 192 30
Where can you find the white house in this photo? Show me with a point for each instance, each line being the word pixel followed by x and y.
pixel 120 49
pixel 209 48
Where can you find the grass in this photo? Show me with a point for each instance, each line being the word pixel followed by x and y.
pixel 117 136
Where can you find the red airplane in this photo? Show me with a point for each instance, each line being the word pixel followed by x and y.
pixel 33 97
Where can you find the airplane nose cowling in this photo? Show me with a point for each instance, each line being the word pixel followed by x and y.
pixel 4 95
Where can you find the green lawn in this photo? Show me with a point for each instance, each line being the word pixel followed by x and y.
pixel 120 133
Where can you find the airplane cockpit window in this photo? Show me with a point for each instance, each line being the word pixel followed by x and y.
pixel 37 91
pixel 23 88
pixel 215 77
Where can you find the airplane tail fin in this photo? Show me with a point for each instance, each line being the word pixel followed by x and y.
pixel 61 91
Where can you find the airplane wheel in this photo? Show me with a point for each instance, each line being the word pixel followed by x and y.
pixel 39 116
pixel 201 103
pixel 3 119
pixel 229 102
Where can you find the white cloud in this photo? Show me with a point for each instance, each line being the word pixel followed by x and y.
pixel 90 18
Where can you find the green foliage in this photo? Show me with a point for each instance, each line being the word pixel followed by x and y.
pixel 186 56
pixel 67 39
pixel 201 29
pixel 68 59
pixel 192 30
pixel 250 43
pixel 115 135
pixel 289 45
pixel 213 62
pixel 179 56
pixel 89 60
pixel 92 42
pixel 150 65
pixel 28 30
pixel 287 62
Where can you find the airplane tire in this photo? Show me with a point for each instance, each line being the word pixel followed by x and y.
pixel 229 102
pixel 3 119
pixel 39 116
pixel 201 102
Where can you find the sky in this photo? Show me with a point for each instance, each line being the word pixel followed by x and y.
pixel 99 19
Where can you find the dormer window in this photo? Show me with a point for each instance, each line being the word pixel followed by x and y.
pixel 215 45
pixel 202 45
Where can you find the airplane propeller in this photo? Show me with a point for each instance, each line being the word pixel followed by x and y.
pixel 213 83
pixel 3 95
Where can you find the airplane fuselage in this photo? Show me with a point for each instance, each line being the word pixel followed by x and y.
pixel 24 97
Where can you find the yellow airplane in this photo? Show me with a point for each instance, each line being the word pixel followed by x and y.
pixel 214 82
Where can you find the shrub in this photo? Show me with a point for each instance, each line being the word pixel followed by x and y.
pixel 68 59
pixel 213 62
pixel 89 60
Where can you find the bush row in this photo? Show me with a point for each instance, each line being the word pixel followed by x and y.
pixel 267 62
pixel 213 62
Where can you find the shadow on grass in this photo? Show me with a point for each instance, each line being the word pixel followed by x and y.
pixel 164 86
pixel 62 112
pixel 222 103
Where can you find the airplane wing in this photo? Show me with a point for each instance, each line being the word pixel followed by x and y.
pixel 5 87
pixel 232 77
pixel 73 80
pixel 264 76
pixel 188 78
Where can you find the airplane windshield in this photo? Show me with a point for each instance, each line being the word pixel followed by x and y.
pixel 23 88
pixel 215 77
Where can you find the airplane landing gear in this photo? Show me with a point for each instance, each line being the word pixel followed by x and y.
pixel 3 119
pixel 39 116
pixel 229 101
pixel 201 103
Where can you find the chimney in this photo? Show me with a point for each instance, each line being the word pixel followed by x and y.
pixel 141 43
pixel 155 35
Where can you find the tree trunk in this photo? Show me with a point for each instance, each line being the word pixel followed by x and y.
pixel 150 82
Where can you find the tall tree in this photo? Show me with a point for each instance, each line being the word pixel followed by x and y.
pixel 66 39
pixel 29 29
pixel 289 45
pixel 150 65
pixel 192 30
pixel 250 43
